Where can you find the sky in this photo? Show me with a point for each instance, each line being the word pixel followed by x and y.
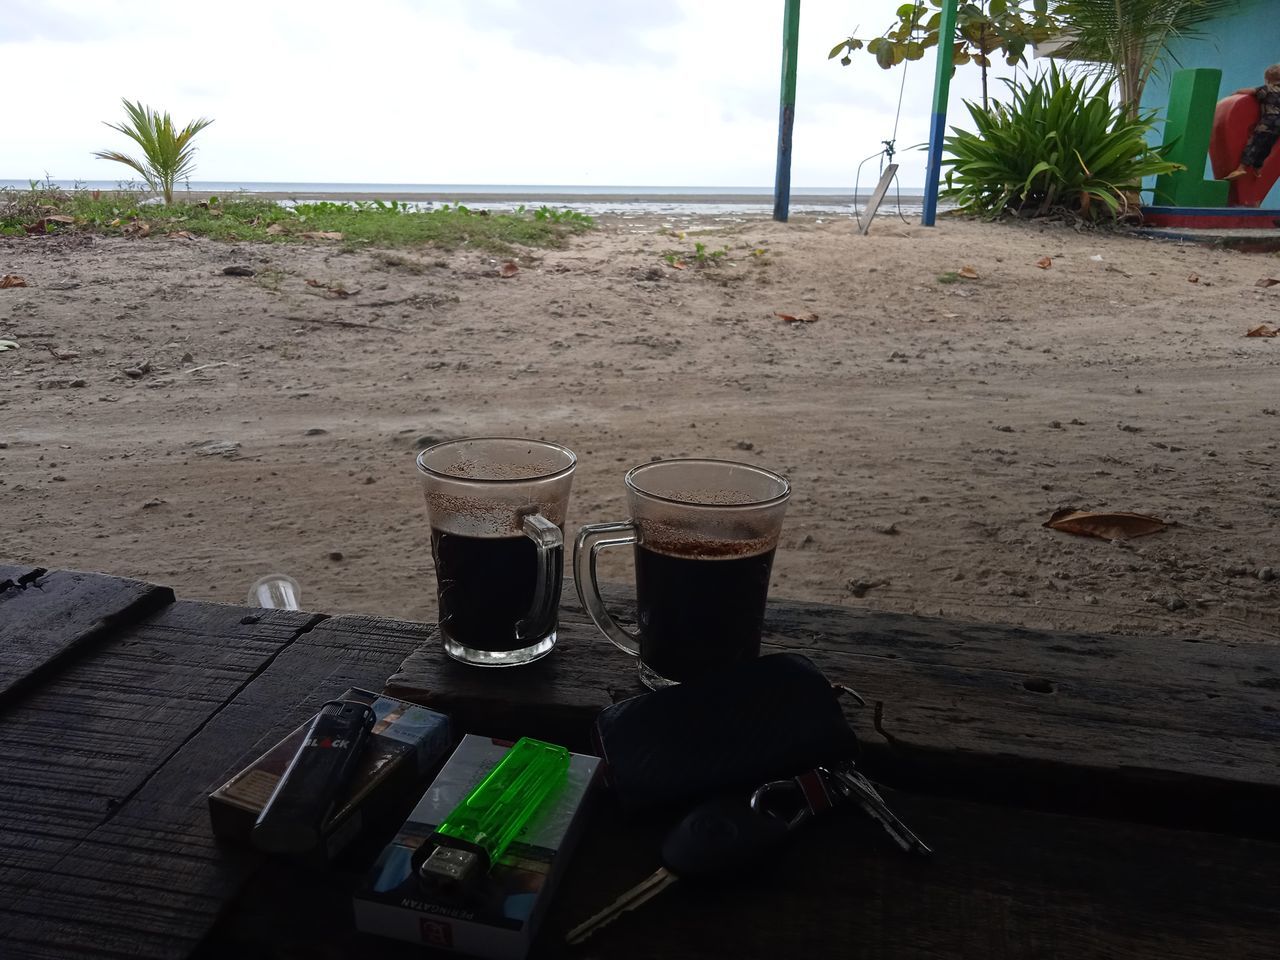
pixel 591 92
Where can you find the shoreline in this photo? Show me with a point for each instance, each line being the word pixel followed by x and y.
pixel 465 196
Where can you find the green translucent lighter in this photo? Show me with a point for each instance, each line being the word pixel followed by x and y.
pixel 478 830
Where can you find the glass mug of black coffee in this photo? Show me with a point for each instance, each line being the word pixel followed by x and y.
pixel 496 506
pixel 704 533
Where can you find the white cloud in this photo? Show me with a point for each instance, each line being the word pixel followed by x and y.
pixel 676 92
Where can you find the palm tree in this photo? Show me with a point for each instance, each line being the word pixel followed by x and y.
pixel 1130 38
pixel 168 155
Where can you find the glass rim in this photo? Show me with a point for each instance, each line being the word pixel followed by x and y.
pixel 538 478
pixel 782 497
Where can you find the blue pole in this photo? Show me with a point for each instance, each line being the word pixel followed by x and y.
pixel 938 121
pixel 787 110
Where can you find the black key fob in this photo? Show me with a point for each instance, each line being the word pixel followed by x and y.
pixel 720 836
pixel 305 796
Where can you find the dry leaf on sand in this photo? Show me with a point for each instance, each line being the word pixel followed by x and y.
pixel 334 290
pixel 967 272
pixel 1262 330
pixel 1193 278
pixel 794 318
pixel 1108 526
pixel 1044 263
pixel 508 270
pixel 11 280
pixel 1266 282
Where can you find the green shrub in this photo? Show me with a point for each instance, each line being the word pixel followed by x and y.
pixel 1060 144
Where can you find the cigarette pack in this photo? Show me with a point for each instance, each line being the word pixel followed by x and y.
pixel 500 920
pixel 406 744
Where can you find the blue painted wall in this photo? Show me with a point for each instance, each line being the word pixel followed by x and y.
pixel 1241 46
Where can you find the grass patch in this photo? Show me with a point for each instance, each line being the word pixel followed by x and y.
pixel 373 222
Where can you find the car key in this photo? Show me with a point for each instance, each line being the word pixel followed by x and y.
pixel 858 789
pixel 715 838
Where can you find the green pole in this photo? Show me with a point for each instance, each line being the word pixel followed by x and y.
pixel 938 123
pixel 787 111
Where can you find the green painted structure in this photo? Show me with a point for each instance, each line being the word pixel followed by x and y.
pixel 938 122
pixel 1193 95
pixel 786 110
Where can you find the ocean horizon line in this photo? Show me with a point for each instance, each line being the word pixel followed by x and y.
pixel 612 191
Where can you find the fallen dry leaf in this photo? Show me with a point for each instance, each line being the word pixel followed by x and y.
pixel 179 235
pixel 508 269
pixel 337 291
pixel 11 280
pixel 967 272
pixel 1262 330
pixel 1044 263
pixel 275 230
pixel 60 218
pixel 322 235
pixel 1193 278
pixel 1107 526
pixel 1266 282
pixel 794 318
pixel 678 265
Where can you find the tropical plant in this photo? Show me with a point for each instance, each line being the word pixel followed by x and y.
pixel 167 153
pixel 1059 144
pixel 983 27
pixel 1130 38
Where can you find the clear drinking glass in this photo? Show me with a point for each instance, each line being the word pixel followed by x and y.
pixel 497 507
pixel 704 534
pixel 275 591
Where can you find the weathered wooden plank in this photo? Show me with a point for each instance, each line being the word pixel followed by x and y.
pixel 45 618
pixel 149 880
pixel 1151 729
pixel 1004 883
pixel 13 574
pixel 77 747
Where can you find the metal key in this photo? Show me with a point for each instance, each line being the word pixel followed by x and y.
pixel 717 837
pixel 858 789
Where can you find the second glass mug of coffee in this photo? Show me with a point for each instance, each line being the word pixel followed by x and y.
pixel 497 507
pixel 704 534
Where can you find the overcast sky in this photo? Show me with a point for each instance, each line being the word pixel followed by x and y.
pixel 631 92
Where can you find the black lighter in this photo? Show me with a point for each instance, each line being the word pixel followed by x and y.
pixel 305 795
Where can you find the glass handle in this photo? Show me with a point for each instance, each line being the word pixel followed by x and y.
pixel 591 540
pixel 546 536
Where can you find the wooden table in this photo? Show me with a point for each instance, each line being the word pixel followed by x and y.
pixel 1086 796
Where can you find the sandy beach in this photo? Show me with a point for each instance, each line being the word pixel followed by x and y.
pixel 166 421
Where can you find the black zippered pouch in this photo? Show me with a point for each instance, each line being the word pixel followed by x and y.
pixel 760 720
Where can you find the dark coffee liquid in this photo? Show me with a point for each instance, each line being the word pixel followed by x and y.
pixel 486 586
pixel 696 615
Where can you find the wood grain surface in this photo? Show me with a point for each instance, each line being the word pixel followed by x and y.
pixel 1086 796
pixel 105 845
pixel 1160 731
pixel 46 616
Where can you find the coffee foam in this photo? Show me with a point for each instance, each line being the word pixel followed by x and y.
pixel 485 517
pixel 709 496
pixel 725 543
pixel 470 468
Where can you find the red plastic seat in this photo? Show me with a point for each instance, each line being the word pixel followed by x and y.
pixel 1233 120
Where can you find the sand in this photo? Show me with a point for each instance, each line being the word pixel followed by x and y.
pixel 929 428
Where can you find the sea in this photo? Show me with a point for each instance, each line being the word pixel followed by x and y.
pixel 595 200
